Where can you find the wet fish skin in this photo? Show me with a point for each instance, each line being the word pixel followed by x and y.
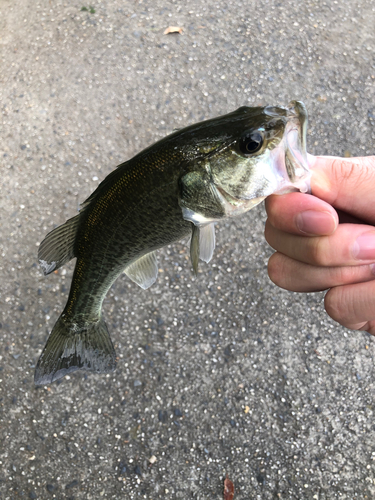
pixel 173 189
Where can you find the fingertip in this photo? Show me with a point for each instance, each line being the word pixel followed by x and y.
pixel 267 229
pixel 332 303
pixel 298 213
pixel 321 181
pixel 352 305
pixel 273 268
pixel 316 223
pixel 346 183
pixel 279 271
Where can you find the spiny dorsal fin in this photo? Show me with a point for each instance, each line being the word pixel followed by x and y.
pixel 57 248
pixel 106 183
pixel 144 270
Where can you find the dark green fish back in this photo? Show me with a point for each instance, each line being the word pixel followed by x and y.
pixel 192 178
pixel 134 215
pixel 132 212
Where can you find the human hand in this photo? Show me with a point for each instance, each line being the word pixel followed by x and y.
pixel 327 241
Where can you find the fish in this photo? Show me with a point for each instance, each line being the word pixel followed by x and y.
pixel 180 186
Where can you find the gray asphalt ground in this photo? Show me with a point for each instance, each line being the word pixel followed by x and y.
pixel 219 374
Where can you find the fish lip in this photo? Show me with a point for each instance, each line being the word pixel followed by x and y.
pixel 296 164
pixel 299 110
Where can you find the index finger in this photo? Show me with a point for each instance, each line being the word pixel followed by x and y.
pixel 347 184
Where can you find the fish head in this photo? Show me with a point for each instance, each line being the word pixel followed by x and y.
pixel 266 156
pixel 250 154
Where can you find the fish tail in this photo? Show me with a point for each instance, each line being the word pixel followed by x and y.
pixel 71 347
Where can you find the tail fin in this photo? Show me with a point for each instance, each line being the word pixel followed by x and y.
pixel 70 348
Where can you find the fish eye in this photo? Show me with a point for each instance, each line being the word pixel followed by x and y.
pixel 251 142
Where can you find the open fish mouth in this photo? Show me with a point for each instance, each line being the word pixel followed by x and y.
pixel 279 170
pixel 296 164
pixel 299 110
pixel 287 168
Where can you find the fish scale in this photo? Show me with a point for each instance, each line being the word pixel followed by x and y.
pixel 178 187
pixel 151 226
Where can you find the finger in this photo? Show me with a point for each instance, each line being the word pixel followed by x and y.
pixel 345 183
pixel 300 214
pixel 349 245
pixel 368 326
pixel 353 306
pixel 296 276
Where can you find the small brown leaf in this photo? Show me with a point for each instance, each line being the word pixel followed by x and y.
pixel 228 489
pixel 173 29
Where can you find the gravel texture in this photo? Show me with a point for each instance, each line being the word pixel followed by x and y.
pixel 219 374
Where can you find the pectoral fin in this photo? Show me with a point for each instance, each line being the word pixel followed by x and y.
pixel 202 244
pixel 194 248
pixel 144 270
pixel 207 242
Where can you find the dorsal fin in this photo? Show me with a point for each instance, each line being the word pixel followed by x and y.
pixel 57 248
pixel 109 180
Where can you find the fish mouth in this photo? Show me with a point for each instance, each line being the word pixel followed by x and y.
pixel 282 169
pixel 298 109
pixel 296 164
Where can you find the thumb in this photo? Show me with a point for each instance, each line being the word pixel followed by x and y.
pixel 347 184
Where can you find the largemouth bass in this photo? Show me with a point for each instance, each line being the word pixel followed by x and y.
pixel 178 187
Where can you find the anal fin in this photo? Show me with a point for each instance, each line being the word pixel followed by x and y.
pixel 144 270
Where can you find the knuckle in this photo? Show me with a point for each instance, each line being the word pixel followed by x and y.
pixel 344 275
pixel 343 169
pixel 319 254
pixel 348 170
